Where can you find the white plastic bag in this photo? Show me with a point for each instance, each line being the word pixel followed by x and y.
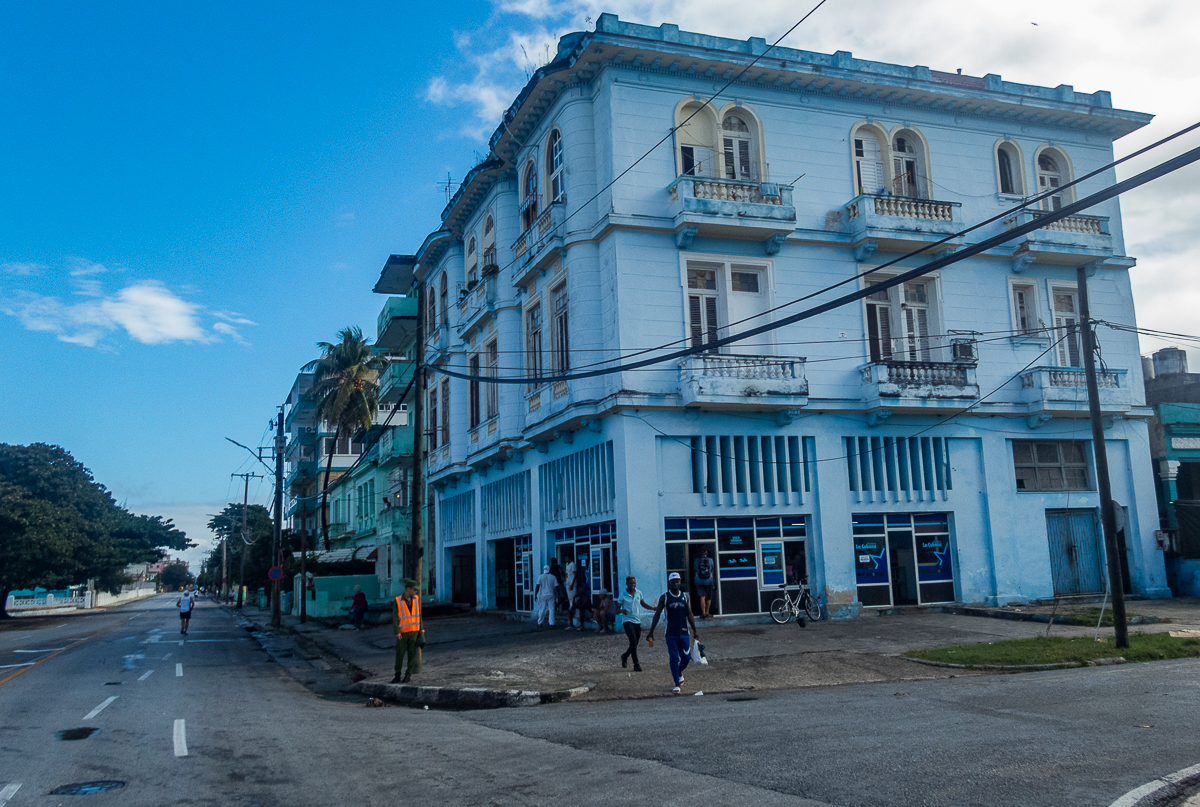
pixel 698 656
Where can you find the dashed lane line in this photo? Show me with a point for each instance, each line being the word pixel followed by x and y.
pixel 43 650
pixel 180 738
pixel 24 670
pixel 179 669
pixel 10 666
pixel 100 708
pixel 8 792
pixel 146 675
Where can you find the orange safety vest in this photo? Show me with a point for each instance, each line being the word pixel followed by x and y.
pixel 408 620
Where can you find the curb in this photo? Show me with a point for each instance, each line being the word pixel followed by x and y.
pixel 1161 790
pixel 1015 668
pixel 1013 616
pixel 465 697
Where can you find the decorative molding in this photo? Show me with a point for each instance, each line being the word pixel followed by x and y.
pixel 683 238
pixel 1038 419
pixel 773 244
pixel 784 417
pixel 877 417
pixel 864 251
pixel 1021 260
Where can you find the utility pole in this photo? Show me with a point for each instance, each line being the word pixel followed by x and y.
pixel 418 426
pixel 303 556
pixel 245 542
pixel 276 556
pixel 224 570
pixel 1107 514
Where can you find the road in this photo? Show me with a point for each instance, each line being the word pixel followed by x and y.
pixel 213 721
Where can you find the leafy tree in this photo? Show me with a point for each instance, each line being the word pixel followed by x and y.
pixel 346 392
pixel 58 526
pixel 174 576
pixel 227 525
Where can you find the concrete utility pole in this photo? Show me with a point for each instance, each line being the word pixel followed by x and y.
pixel 303 557
pixel 224 569
pixel 418 481
pixel 245 538
pixel 276 556
pixel 1107 514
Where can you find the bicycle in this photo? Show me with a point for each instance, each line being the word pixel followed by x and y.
pixel 784 608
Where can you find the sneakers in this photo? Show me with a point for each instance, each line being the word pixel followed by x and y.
pixel 624 659
pixel 675 690
pixel 682 679
pixel 637 668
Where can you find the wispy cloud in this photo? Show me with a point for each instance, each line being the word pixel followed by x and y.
pixel 146 311
pixel 22 268
pixel 344 219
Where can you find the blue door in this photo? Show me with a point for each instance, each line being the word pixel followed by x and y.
pixel 1076 555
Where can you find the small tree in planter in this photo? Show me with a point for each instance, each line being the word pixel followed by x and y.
pixel 490 270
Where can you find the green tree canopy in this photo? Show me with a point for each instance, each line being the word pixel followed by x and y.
pixel 58 526
pixel 174 576
pixel 227 525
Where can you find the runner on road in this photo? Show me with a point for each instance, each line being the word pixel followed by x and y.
pixel 679 609
pixel 186 603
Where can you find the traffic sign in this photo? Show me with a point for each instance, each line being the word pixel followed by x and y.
pixel 275 573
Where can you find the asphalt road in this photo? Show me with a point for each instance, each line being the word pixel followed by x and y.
pixel 213 721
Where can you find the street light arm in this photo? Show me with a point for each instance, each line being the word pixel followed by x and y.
pixel 252 453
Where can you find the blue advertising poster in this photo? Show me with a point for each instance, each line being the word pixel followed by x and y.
pixel 772 564
pixel 871 563
pixel 737 565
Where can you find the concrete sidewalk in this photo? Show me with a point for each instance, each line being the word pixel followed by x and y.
pixel 489 652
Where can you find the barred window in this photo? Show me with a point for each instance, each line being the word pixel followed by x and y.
pixel 560 345
pixel 533 344
pixel 491 392
pixel 1051 465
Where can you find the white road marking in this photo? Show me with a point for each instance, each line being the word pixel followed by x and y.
pixel 44 650
pixel 179 670
pixel 99 708
pixel 1161 784
pixel 146 675
pixel 167 656
pixel 194 641
pixel 181 642
pixel 180 737
pixel 8 792
pixel 10 666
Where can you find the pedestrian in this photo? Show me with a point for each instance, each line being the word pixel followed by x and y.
pixel 186 603
pixel 679 616
pixel 631 612
pixel 600 611
pixel 560 591
pixel 544 592
pixel 581 598
pixel 358 608
pixel 410 638
pixel 702 582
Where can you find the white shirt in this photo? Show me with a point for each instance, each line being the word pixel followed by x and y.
pixel 185 602
pixel 545 586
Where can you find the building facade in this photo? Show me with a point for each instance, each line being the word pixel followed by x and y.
pixel 927 444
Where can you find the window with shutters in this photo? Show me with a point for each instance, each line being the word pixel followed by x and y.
pixel 560 342
pixel 868 161
pixel 722 296
pixel 1008 168
pixel 533 344
pixel 901 321
pixel 432 425
pixel 473 391
pixel 1051 465
pixel 472 261
pixel 529 196
pixel 910 174
pixel 737 143
pixel 489 241
pixel 445 424
pixel 1064 301
pixel 491 392
pixel 554 166
pixel 443 298
pixel 430 308
pixel 1052 174
pixel 1026 316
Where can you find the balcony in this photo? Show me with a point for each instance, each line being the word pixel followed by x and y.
pixel 394 381
pixel 397 325
pixel 1046 390
pixel 897 223
pixel 547 401
pixel 716 380
pixel 919 384
pixel 396 443
pixel 540 244
pixel 1065 241
pixel 731 208
pixel 475 305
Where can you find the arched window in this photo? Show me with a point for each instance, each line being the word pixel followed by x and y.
pixel 529 196
pixel 489 241
pixel 696 137
pixel 1008 166
pixel 910 175
pixel 443 297
pixel 472 261
pixel 1052 175
pixel 737 142
pixel 868 162
pixel 431 308
pixel 554 167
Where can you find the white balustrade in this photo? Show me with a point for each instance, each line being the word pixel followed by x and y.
pixel 911 373
pixel 913 208
pixel 745 367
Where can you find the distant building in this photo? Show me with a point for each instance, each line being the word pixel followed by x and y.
pixel 157 567
pixel 927 444
pixel 1175 448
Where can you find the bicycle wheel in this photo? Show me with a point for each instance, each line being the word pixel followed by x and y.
pixel 812 607
pixel 781 611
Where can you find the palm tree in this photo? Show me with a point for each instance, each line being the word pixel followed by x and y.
pixel 346 392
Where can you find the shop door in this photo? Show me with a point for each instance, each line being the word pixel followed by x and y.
pixel 903 558
pixel 506 571
pixel 462 574
pixel 1076 559
pixel 737 566
pixel 525 581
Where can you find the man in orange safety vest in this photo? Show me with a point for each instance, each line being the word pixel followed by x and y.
pixel 406 624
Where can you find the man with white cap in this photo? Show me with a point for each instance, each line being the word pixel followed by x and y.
pixel 679 644
pixel 543 593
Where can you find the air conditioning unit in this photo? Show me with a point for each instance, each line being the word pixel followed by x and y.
pixel 309 430
pixel 963 350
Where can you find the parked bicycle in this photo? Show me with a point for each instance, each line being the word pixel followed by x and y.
pixel 785 608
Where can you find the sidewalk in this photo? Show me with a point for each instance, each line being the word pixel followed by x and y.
pixel 490 652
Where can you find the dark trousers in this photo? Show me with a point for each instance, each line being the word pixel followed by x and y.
pixel 677 651
pixel 633 630
pixel 406 644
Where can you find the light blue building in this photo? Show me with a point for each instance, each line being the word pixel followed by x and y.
pixel 927 444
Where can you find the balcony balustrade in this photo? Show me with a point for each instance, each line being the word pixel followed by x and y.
pixel 541 243
pixel 476 304
pixel 731 208
pixel 1064 241
pixel 1064 389
pixel 394 381
pixel 898 222
pixel 725 379
pixel 918 383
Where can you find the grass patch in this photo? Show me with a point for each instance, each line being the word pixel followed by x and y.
pixel 1058 650
pixel 1089 618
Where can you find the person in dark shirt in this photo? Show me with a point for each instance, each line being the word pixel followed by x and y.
pixel 679 616
pixel 702 582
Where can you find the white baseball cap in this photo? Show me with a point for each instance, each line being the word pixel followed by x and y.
pixel 673 576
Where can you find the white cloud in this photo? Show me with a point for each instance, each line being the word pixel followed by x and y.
pixel 230 331
pixel 152 315
pixel 82 267
pixel 22 268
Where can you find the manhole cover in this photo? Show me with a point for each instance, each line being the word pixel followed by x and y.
pixel 113 684
pixel 76 734
pixel 86 788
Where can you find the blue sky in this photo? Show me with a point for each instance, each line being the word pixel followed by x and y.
pixel 193 195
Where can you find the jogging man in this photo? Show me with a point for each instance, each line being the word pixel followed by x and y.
pixel 679 609
pixel 185 602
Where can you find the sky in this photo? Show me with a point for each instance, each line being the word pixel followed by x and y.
pixel 192 195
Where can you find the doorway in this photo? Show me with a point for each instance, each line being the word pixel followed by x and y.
pixel 504 565
pixel 903 558
pixel 462 574
pixel 1076 556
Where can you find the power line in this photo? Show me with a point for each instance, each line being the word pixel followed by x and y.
pixel 1162 169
